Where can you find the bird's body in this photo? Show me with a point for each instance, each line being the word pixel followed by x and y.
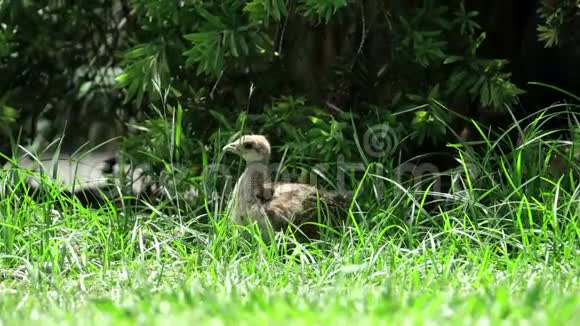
pixel 276 206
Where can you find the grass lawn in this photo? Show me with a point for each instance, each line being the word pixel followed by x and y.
pixel 445 280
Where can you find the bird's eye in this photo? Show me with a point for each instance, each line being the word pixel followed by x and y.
pixel 247 145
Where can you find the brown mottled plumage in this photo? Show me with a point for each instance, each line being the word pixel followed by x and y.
pixel 277 205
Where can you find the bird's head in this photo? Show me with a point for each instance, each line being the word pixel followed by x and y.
pixel 251 148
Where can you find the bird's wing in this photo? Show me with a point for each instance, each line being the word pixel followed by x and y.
pixel 304 208
pixel 288 200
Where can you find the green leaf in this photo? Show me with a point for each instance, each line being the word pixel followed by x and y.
pixel 243 45
pixel 206 52
pixel 275 12
pixel 477 85
pixel 452 58
pixel 547 35
pixel 178 129
pixel 212 19
pixel 233 45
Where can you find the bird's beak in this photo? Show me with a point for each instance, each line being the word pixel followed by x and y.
pixel 231 147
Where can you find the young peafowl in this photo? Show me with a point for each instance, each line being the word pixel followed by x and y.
pixel 276 206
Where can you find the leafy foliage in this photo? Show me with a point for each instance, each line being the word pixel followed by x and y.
pixel 470 77
pixel 265 11
pixel 147 72
pixel 322 10
pixel 555 17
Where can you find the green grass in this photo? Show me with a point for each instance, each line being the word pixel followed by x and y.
pixel 502 248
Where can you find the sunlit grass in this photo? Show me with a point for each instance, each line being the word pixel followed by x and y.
pixel 502 246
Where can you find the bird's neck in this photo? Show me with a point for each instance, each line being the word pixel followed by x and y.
pixel 249 187
pixel 262 165
pixel 256 174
